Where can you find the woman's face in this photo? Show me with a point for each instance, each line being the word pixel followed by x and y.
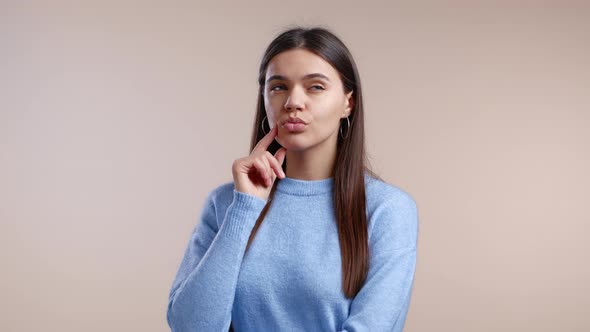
pixel 300 84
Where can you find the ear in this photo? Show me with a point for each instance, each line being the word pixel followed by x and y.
pixel 349 106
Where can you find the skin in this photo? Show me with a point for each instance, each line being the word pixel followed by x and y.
pixel 320 102
pixel 256 173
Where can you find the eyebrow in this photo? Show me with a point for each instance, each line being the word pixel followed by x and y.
pixel 308 76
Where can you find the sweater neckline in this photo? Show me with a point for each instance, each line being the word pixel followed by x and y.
pixel 305 187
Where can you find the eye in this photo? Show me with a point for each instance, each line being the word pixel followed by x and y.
pixel 318 86
pixel 276 86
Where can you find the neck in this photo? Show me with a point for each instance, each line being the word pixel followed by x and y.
pixel 314 163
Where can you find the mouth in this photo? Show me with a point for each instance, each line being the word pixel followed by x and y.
pixel 293 121
pixel 294 127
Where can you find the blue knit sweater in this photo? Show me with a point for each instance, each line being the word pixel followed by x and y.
pixel 290 279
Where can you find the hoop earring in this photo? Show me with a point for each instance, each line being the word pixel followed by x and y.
pixel 347 130
pixel 262 125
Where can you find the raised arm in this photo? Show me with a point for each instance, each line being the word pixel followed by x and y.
pixel 202 294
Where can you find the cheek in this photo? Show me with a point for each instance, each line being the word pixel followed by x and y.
pixel 328 113
pixel 271 114
pixel 327 118
pixel 270 104
pixel 272 120
pixel 273 109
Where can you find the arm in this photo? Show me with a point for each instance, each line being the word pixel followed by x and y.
pixel 383 301
pixel 202 294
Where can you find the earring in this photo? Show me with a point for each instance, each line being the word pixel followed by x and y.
pixel 262 125
pixel 347 130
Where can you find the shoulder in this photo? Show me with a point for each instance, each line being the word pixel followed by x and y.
pixel 217 201
pixel 222 194
pixel 391 213
pixel 379 192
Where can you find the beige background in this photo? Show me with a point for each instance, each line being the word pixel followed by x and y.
pixel 117 118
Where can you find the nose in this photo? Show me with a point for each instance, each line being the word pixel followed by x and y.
pixel 295 101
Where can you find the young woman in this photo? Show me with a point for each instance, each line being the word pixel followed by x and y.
pixel 305 237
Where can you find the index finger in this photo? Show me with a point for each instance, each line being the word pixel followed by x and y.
pixel 265 141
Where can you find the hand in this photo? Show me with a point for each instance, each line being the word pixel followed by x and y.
pixel 256 173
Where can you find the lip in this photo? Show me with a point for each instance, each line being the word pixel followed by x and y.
pixel 292 120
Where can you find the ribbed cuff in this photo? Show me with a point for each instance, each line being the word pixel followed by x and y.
pixel 241 215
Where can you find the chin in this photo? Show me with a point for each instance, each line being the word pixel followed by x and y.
pixel 292 144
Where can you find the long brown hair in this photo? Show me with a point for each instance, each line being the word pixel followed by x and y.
pixel 351 158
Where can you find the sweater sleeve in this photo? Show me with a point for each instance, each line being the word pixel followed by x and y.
pixel 202 294
pixel 383 301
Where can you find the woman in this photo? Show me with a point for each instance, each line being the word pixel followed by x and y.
pixel 306 237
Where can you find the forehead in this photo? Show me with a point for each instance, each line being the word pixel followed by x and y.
pixel 294 64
